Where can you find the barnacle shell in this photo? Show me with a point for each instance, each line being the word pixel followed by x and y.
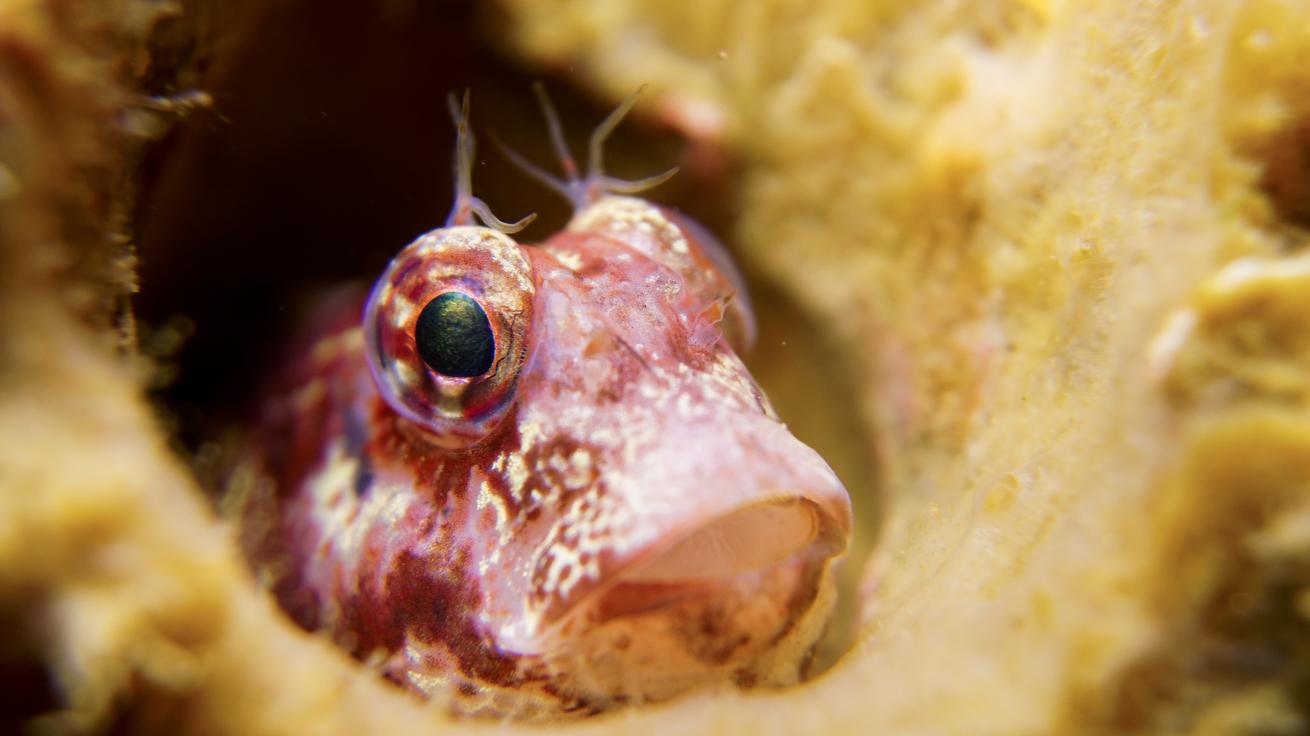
pixel 1017 218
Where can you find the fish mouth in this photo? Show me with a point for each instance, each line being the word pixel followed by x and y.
pixel 749 541
pixel 738 599
pixel 730 513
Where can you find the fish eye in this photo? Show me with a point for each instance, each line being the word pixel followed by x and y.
pixel 448 331
pixel 453 336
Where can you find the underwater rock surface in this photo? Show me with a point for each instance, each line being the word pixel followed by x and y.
pixel 1062 245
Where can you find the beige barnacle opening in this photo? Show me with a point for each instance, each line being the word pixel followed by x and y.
pixel 1060 247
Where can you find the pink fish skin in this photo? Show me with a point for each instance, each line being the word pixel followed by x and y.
pixel 611 513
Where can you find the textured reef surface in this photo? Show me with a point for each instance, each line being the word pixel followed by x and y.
pixel 1061 247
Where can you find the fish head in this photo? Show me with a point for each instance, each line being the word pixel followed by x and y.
pixel 541 477
pixel 655 526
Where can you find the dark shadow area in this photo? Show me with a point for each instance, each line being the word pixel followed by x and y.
pixel 1286 177
pixel 26 689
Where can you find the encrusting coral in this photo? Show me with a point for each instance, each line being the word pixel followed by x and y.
pixel 1063 245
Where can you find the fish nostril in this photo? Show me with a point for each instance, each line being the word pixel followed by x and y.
pixel 751 539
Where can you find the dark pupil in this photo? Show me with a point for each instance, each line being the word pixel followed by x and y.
pixel 454 337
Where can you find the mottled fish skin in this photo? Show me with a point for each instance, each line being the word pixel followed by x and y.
pixel 612 514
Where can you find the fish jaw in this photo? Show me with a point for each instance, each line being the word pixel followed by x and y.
pixel 704 562
pixel 725 499
pixel 709 565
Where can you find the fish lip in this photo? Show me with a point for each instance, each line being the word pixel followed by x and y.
pixel 828 541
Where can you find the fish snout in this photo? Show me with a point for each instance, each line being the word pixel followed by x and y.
pixel 715 566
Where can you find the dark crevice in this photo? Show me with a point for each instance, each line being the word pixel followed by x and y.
pixel 1286 178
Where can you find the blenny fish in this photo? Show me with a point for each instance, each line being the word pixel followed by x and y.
pixel 537 480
